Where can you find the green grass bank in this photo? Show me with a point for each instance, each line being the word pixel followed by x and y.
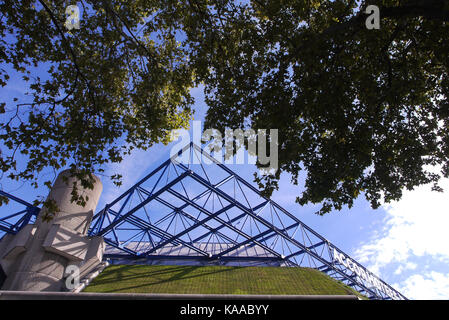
pixel 216 280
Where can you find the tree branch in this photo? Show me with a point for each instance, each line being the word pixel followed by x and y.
pixel 71 52
pixel 432 10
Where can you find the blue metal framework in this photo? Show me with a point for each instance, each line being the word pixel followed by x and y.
pixel 18 214
pixel 199 209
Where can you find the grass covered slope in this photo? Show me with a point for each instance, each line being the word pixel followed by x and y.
pixel 216 280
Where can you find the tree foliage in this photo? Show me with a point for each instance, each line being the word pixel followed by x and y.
pixel 360 111
pixel 94 93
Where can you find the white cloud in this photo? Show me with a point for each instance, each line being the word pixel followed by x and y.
pixel 415 227
pixel 431 286
pixel 404 267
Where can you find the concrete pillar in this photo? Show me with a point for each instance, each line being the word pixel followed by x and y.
pixel 54 244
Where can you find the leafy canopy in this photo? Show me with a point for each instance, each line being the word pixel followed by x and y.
pixel 119 82
pixel 360 111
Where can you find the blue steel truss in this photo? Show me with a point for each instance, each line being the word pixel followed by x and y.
pixel 199 208
pixel 209 213
pixel 17 214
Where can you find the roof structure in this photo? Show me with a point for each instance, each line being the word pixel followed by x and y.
pixel 18 213
pixel 193 209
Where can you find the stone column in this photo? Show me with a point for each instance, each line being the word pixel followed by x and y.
pixel 37 256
